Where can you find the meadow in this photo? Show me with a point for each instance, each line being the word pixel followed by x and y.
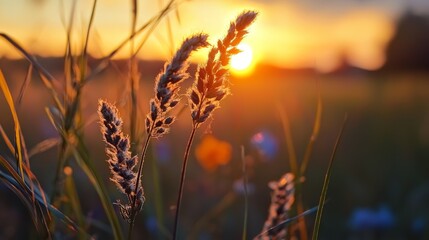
pixel 381 162
pixel 57 183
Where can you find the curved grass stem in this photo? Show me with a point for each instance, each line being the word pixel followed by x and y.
pixel 326 183
pixel 182 180
pixel 134 213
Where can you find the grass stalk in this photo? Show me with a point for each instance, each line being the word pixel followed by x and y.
pixel 133 78
pixel 18 153
pixel 139 173
pixel 326 183
pixel 71 192
pixel 287 221
pixel 182 180
pixel 314 135
pixel 293 162
pixel 154 20
pixel 302 225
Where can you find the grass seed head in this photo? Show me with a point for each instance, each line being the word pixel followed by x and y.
pixel 210 86
pixel 282 198
pixel 167 86
pixel 121 163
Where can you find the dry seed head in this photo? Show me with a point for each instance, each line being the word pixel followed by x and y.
pixel 210 87
pixel 282 198
pixel 121 163
pixel 167 86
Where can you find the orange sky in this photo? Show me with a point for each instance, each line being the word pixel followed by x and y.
pixel 286 34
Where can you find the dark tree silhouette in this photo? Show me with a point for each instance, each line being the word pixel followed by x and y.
pixel 409 48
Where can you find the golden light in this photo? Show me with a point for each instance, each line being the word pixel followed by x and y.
pixel 242 61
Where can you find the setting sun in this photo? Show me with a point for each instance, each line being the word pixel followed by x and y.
pixel 242 61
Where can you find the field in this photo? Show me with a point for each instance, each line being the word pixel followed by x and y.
pixel 378 188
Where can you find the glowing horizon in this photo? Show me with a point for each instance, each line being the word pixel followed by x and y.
pixel 284 35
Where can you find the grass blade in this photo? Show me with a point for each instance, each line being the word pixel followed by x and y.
pixel 12 181
pixel 91 20
pixel 6 92
pixel 28 56
pixel 289 220
pixel 44 146
pixel 71 192
pixel 314 135
pixel 20 186
pixel 289 140
pixel 26 83
pixel 326 183
pixel 81 155
pixel 46 77
pixel 6 140
pixel 22 196
pixel 106 60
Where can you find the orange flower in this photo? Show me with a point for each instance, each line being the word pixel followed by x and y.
pixel 212 152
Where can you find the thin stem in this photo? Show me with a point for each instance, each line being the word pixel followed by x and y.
pixel 69 125
pixel 326 183
pixel 133 76
pixel 302 226
pixel 314 135
pixel 60 166
pixel 182 180
pixel 133 213
pixel 293 162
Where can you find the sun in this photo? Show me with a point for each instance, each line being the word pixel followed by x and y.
pixel 242 61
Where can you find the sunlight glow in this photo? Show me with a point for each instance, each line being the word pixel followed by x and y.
pixel 242 60
pixel 285 35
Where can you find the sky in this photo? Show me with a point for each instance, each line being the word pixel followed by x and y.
pixel 288 33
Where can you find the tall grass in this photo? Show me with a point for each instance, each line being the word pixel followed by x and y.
pixel 16 174
pixel 209 88
pixel 65 114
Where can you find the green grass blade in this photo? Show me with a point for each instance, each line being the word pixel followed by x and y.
pixel 326 183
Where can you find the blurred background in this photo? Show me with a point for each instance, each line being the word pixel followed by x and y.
pixel 369 59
